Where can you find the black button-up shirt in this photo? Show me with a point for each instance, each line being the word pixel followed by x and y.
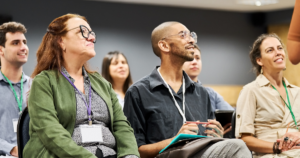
pixel 151 110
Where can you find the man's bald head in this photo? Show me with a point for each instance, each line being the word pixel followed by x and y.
pixel 160 32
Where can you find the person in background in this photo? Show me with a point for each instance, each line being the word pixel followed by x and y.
pixel 158 105
pixel 115 69
pixel 73 110
pixel 268 109
pixel 193 69
pixel 14 84
pixel 293 41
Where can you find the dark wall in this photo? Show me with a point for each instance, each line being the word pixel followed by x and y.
pixel 279 17
pixel 224 37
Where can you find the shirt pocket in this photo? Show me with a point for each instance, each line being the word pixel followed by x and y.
pixel 158 129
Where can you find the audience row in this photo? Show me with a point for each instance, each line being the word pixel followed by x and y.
pixel 76 112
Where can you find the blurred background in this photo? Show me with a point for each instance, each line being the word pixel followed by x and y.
pixel 226 30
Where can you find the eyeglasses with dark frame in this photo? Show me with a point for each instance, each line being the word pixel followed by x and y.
pixel 184 34
pixel 85 32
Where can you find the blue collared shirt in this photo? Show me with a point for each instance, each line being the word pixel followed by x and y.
pixel 216 100
pixel 9 110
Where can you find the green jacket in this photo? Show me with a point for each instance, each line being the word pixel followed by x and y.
pixel 52 110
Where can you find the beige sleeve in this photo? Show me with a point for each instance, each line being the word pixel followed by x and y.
pixel 245 112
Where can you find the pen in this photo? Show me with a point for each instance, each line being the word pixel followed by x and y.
pixel 189 122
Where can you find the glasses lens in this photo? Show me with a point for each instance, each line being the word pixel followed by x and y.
pixel 93 34
pixel 183 35
pixel 194 36
pixel 84 31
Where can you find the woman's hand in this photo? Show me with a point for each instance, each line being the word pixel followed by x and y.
pixel 291 143
pixel 215 129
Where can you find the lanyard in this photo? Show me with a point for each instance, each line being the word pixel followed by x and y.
pixel 183 101
pixel 90 97
pixel 288 105
pixel 19 101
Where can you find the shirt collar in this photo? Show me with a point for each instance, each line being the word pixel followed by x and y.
pixel 25 77
pixel 84 73
pixel 263 81
pixel 156 80
pixel 199 82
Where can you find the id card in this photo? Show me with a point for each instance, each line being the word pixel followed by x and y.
pixel 91 133
pixel 15 124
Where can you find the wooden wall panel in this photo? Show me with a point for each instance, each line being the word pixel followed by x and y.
pixel 292 72
pixel 230 93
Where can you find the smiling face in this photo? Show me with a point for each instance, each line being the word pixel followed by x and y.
pixel 182 46
pixel 73 43
pixel 193 68
pixel 272 55
pixel 118 68
pixel 16 50
pixel 176 43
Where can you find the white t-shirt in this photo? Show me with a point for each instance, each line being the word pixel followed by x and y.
pixel 121 100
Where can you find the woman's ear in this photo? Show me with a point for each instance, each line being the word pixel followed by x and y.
pixel 259 61
pixel 164 46
pixel 61 43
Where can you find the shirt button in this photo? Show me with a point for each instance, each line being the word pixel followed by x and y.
pixel 238 116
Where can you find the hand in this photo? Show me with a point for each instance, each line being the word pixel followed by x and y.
pixel 227 128
pixel 14 151
pixel 284 146
pixel 190 128
pixel 216 129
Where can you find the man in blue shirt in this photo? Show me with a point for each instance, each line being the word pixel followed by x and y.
pixel 14 84
pixel 193 69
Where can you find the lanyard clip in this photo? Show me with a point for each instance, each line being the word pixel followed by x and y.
pixel 90 120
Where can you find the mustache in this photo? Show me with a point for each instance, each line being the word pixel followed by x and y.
pixel 190 46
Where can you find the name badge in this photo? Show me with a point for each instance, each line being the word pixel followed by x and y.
pixel 15 124
pixel 91 133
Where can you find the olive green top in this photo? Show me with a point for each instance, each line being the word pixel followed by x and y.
pixel 52 111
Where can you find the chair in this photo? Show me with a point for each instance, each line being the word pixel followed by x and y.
pixel 23 131
pixel 233 120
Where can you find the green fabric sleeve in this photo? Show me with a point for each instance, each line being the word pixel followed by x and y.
pixel 126 142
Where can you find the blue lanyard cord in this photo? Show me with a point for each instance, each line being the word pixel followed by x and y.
pixel 288 105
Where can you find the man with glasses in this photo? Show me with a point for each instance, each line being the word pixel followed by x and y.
pixel 159 105
pixel 14 84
